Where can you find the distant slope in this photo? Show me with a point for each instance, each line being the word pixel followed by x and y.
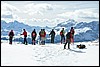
pixel 84 31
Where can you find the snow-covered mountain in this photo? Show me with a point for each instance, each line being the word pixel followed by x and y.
pixel 17 27
pixel 84 31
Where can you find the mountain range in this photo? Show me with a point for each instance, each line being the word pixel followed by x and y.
pixel 84 31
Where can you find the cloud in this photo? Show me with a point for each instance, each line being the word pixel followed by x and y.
pixel 89 17
pixel 9 12
pixel 8 7
pixel 91 13
pixel 45 22
pixel 87 13
pixel 38 9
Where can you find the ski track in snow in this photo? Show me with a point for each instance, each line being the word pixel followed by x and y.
pixel 42 55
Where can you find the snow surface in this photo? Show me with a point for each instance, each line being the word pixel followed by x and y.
pixel 49 54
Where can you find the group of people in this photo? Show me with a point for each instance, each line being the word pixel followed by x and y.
pixel 69 36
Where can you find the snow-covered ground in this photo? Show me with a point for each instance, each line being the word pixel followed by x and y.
pixel 49 54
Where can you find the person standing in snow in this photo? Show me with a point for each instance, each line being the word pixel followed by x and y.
pixel 72 34
pixel 68 40
pixel 62 34
pixel 33 35
pixel 11 34
pixel 25 36
pixel 52 33
pixel 42 36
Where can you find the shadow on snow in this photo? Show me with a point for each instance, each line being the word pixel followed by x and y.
pixel 78 51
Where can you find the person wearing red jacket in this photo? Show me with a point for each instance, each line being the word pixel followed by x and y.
pixel 42 36
pixel 11 34
pixel 25 36
pixel 62 34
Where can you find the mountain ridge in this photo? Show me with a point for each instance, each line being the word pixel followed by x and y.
pixel 84 31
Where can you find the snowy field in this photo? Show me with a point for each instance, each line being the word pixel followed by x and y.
pixel 49 55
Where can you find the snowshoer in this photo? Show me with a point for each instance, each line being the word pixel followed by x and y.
pixel 62 34
pixel 25 36
pixel 52 33
pixel 72 34
pixel 42 36
pixel 68 36
pixel 11 34
pixel 33 35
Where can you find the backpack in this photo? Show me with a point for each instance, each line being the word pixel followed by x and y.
pixel 11 34
pixel 61 33
pixel 72 30
pixel 81 46
pixel 42 32
pixel 68 35
pixel 33 34
pixel 53 33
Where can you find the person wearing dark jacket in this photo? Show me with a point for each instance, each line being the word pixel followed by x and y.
pixel 40 36
pixel 52 33
pixel 72 36
pixel 11 34
pixel 25 36
pixel 68 37
pixel 33 35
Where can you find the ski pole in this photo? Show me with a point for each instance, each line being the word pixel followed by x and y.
pixel 19 38
pixel 14 40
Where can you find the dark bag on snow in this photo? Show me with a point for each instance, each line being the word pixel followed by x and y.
pixel 81 46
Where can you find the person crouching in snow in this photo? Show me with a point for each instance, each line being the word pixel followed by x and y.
pixel 68 40
pixel 33 35
pixel 11 34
